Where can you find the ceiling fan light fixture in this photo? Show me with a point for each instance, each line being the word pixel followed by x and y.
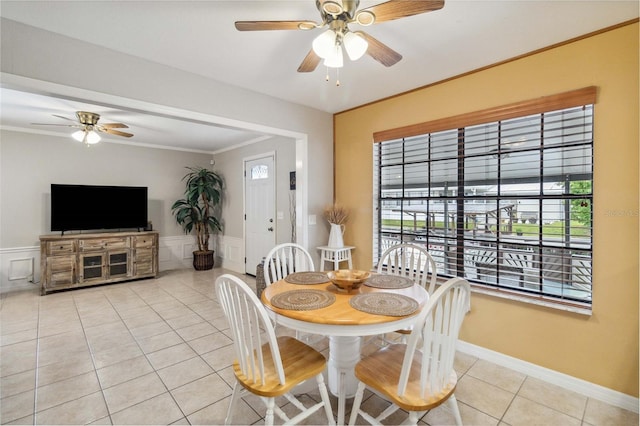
pixel 79 135
pixel 332 7
pixel 335 58
pixel 355 45
pixel 365 18
pixel 325 43
pixel 92 137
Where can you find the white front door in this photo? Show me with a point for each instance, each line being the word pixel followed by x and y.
pixel 260 224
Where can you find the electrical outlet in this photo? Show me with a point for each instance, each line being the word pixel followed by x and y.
pixel 312 219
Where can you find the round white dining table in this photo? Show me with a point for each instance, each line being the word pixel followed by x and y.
pixel 344 325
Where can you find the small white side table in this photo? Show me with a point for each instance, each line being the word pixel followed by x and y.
pixel 335 255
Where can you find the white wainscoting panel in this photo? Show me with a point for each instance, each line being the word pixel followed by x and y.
pixel 231 253
pixel 175 252
pixel 21 269
pixel 19 266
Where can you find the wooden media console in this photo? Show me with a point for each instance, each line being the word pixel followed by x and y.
pixel 81 260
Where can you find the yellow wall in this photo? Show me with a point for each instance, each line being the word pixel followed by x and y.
pixel 602 348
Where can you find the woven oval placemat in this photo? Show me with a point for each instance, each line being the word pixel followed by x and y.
pixel 303 300
pixel 395 305
pixel 388 281
pixel 307 277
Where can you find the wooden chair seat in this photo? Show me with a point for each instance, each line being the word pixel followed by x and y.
pixel 381 371
pixel 265 365
pixel 300 362
pixel 418 375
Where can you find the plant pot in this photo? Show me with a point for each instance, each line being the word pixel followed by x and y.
pixel 203 260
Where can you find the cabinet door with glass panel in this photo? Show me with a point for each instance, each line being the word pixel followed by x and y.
pixel 92 267
pixel 119 264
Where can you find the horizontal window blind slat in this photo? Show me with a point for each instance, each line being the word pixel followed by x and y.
pixel 506 204
pixel 570 99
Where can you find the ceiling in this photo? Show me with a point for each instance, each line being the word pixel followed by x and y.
pixel 199 37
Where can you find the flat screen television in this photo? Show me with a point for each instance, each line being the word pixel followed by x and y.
pixel 92 207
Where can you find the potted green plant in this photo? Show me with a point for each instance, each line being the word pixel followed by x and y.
pixel 198 211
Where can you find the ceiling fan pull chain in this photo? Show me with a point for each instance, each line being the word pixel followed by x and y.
pixel 337 77
pixel 327 77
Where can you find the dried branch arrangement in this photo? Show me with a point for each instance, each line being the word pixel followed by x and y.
pixel 336 214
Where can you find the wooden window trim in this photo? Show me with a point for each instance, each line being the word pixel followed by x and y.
pixel 564 100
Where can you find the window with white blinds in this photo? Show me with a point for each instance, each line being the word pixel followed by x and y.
pixel 506 204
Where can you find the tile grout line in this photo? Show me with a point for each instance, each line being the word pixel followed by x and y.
pixel 198 355
pixel 37 368
pixel 93 362
pixel 143 354
pixel 185 416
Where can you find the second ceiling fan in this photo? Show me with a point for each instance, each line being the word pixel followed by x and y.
pixel 87 122
pixel 337 15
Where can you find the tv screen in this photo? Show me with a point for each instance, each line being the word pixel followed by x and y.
pixel 90 207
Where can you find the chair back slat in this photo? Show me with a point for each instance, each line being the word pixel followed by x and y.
pixel 411 261
pixel 250 328
pixel 437 327
pixel 285 259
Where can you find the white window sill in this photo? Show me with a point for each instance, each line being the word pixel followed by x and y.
pixel 573 307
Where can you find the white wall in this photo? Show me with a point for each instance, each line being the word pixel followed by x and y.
pixel 35 58
pixel 36 54
pixel 30 163
pixel 230 164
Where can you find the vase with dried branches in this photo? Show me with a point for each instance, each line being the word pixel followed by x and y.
pixel 336 216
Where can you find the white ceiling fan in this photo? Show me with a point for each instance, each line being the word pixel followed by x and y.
pixel 337 15
pixel 87 122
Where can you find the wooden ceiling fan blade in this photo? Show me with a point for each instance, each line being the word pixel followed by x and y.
pixel 116 132
pixel 114 126
pixel 274 25
pixel 63 117
pixel 396 9
pixel 310 62
pixel 381 52
pixel 79 126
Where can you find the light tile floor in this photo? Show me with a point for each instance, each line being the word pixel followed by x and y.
pixel 155 352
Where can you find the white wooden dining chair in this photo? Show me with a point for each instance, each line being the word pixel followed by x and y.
pixel 412 379
pixel 285 259
pixel 411 261
pixel 267 366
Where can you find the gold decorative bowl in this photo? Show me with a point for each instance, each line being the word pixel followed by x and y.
pixel 348 279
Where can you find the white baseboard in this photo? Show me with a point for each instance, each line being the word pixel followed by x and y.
pixel 571 383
